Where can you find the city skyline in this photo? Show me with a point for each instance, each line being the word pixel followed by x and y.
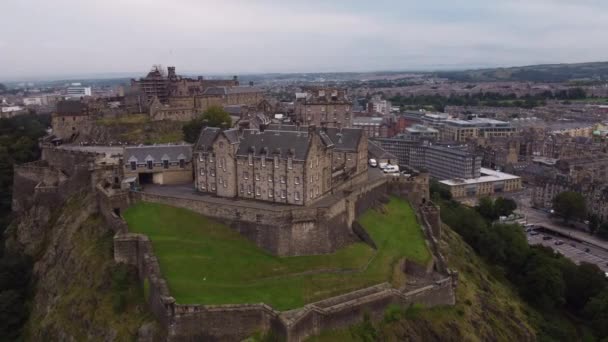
pixel 69 38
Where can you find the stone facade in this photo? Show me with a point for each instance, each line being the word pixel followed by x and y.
pixel 324 107
pixel 70 120
pixel 290 166
pixel 158 164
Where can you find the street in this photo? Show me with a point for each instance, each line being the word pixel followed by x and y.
pixel 576 251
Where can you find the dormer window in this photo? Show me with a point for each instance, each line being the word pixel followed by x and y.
pixel 133 165
pixel 182 163
pixel 250 158
pixel 290 163
pixel 165 164
pixel 150 164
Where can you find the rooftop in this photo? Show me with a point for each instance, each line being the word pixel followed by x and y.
pixel 487 175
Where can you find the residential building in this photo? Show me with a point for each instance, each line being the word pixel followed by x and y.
pixel 328 107
pixel 372 125
pixel 158 164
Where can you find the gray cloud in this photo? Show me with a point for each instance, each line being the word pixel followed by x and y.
pixel 61 37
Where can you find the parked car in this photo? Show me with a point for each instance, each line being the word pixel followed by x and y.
pixel 534 232
pixel 559 242
pixel 391 169
pixel 373 163
pixel 383 165
pixel 546 237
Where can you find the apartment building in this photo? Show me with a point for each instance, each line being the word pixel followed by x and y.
pixel 463 130
pixel 329 107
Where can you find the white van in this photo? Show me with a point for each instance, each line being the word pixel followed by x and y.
pixel 391 169
pixel 373 163
pixel 383 165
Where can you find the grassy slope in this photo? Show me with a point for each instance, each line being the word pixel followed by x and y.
pixel 84 303
pixel 485 310
pixel 206 262
pixel 137 128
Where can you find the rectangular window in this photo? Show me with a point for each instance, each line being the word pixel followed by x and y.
pixel 133 165
pixel 289 163
pixel 297 180
pixel 212 173
pixel 296 196
pixel 257 191
pixel 210 158
pixel 283 193
pixel 249 189
pixel 165 164
pixel 250 158
pixel 269 179
pixel 202 186
pixel 242 188
pixel 257 176
pixel 317 160
pixel 270 194
pixel 276 162
pixel 245 174
pixel 212 187
pixel 201 157
pixel 202 172
pixel 182 163
pixel 264 161
pixel 282 179
pixel 149 164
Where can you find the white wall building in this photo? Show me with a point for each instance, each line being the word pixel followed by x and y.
pixel 76 90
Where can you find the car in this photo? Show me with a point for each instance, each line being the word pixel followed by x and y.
pixel 373 163
pixel 546 237
pixel 382 165
pixel 559 242
pixel 391 169
pixel 534 232
pixel 572 244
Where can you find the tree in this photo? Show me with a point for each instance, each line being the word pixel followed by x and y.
pixel 602 231
pixel 214 116
pixel 594 223
pixel 486 209
pixel 583 282
pixel 504 206
pixel 596 311
pixel 570 204
pixel 543 282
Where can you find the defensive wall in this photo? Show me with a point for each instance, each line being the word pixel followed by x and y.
pixel 235 322
pixel 329 223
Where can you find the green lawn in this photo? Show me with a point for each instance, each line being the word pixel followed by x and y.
pixel 206 262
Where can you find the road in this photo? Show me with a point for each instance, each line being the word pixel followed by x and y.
pixel 573 250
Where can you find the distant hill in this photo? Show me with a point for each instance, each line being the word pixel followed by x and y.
pixel 595 71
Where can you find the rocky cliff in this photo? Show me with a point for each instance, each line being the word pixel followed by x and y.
pixel 79 293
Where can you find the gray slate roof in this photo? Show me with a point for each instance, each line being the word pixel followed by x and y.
pixel 283 143
pixel 345 139
pixel 209 134
pixel 377 152
pixel 158 153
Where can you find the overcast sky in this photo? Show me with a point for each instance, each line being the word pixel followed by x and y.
pixel 83 37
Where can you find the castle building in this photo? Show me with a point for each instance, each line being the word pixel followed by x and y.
pixel 324 107
pixel 290 165
pixel 158 164
pixel 70 119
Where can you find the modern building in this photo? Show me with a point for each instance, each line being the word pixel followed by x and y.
pixel 328 107
pixel 447 163
pixel 421 132
pixel 463 130
pixel 158 164
pixel 287 164
pixel 489 183
pixel 76 90
pixel 408 152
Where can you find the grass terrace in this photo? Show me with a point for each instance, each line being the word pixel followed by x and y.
pixel 205 262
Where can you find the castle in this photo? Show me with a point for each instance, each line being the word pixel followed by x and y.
pixel 174 97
